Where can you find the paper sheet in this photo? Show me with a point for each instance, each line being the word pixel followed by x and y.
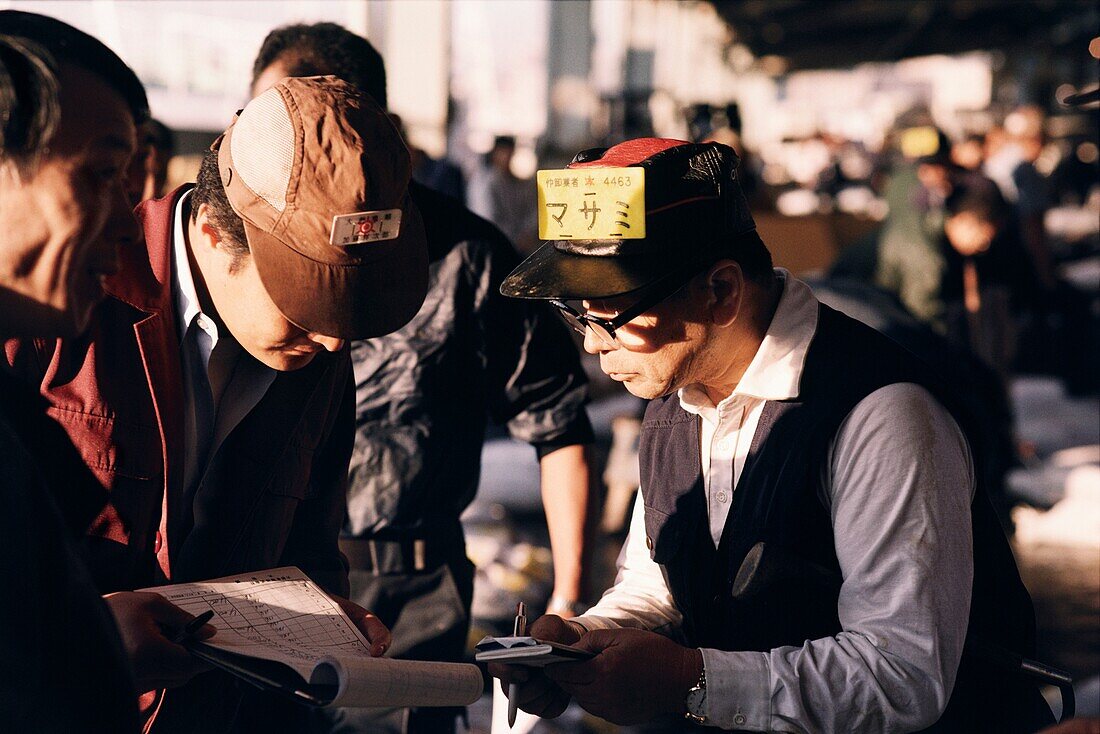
pixel 282 615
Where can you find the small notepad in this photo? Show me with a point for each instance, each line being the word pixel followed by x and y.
pixel 527 651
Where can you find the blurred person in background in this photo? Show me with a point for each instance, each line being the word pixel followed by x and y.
pixel 1011 165
pixel 969 153
pixel 505 200
pixel 910 261
pixel 68 111
pixel 438 174
pixel 147 174
pixel 811 521
pixel 216 380
pixel 422 398
pixel 987 278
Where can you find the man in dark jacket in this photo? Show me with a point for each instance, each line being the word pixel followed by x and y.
pixel 423 395
pixel 68 108
pixel 810 521
pixel 211 395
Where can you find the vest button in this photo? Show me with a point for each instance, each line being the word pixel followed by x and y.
pixel 739 719
pixel 649 542
pixel 157 542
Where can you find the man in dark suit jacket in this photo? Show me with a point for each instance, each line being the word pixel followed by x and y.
pixel 211 395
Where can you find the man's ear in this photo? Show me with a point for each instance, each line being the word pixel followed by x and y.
pixel 725 284
pixel 209 236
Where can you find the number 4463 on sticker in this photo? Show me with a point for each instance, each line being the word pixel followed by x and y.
pixel 591 203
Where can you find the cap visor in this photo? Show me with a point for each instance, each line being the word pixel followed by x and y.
pixel 551 273
pixel 369 299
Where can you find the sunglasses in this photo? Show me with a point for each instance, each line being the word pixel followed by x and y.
pixel 604 329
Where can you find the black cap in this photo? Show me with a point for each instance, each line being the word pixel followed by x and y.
pixel 694 205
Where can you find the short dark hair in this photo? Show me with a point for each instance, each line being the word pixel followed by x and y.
pixel 30 110
pixel 980 198
pixel 67 45
pixel 750 252
pixel 209 190
pixel 321 49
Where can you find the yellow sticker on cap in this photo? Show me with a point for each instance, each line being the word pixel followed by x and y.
pixel 591 204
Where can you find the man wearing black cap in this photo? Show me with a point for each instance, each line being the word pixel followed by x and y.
pixel 212 394
pixel 808 523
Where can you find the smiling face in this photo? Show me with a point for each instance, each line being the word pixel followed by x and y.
pixel 232 291
pixel 65 221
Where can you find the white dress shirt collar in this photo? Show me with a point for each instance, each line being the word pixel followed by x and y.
pixel 185 295
pixel 776 369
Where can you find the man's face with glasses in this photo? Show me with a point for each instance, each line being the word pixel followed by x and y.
pixel 645 341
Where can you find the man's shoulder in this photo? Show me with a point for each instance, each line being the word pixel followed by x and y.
pixel 448 223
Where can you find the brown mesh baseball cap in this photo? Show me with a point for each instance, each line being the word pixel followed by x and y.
pixel 320 177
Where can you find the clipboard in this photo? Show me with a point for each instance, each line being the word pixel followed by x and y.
pixel 265 675
pixel 528 651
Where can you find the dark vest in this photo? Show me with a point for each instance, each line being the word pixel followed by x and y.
pixel 780 503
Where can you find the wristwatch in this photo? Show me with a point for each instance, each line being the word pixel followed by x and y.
pixel 696 701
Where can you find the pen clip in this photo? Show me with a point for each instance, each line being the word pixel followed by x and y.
pixel 519 629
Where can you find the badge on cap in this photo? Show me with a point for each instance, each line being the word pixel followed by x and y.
pixel 591 204
pixel 361 227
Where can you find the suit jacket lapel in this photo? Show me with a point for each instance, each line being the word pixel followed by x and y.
pixel 144 281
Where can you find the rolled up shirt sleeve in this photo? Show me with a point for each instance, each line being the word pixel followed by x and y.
pixel 900 484
pixel 639 598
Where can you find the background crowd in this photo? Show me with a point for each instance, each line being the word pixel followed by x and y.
pixel 969 232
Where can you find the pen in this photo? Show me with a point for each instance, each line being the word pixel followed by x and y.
pixel 192 627
pixel 518 630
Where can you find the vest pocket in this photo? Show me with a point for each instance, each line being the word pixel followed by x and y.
pixel 663 535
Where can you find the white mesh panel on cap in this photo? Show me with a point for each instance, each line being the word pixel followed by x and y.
pixel 262 145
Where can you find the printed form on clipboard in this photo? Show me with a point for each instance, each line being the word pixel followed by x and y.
pixel 279 631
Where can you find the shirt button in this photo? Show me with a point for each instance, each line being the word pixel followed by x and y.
pixel 722 497
pixel 203 323
pixel 726 444
pixel 739 719
pixel 157 542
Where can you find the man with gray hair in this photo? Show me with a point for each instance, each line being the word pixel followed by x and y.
pixel 68 109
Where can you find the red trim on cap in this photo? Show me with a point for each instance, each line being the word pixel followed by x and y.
pixel 631 153
pixel 681 202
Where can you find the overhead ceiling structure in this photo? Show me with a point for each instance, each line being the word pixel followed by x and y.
pixel 819 34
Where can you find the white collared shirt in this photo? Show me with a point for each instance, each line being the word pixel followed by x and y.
pixel 899 477
pixel 727 429
pixel 221 382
